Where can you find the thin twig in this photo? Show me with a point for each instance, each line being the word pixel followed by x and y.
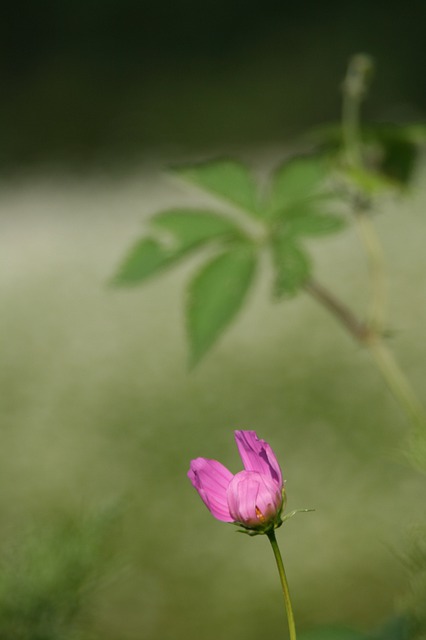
pixel 356 327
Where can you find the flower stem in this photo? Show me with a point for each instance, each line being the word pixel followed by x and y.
pixel 284 583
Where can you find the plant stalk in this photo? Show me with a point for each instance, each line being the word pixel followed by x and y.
pixel 284 584
pixel 377 271
pixel 354 90
pixel 368 336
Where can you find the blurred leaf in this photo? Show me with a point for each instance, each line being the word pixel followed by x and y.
pixel 146 258
pixel 390 150
pixel 292 266
pixel 190 227
pixel 305 219
pixel 416 133
pixel 297 180
pixel 399 158
pixel 316 224
pixel 368 182
pixel 228 179
pixel 215 296
pixel 332 633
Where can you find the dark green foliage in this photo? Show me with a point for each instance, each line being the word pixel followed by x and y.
pixel 389 151
pixel 216 294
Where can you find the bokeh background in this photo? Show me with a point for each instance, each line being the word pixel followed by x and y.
pixel 102 535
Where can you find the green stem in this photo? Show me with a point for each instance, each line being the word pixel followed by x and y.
pixel 377 271
pixel 284 584
pixel 397 382
pixel 370 333
pixel 354 88
pixel 367 336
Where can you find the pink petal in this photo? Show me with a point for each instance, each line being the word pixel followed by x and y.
pixel 257 455
pixel 211 479
pixel 253 498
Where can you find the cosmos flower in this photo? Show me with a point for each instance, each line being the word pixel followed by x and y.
pixel 253 498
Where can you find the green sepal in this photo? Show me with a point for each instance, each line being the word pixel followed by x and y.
pixel 275 524
pixel 293 513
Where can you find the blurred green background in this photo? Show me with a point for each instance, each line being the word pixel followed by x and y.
pixel 121 79
pixel 98 411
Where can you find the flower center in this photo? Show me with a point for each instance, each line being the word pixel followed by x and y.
pixel 260 515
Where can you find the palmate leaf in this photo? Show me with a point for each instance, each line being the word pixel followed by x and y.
pixel 315 224
pixel 292 266
pixel 308 219
pixel 190 227
pixel 227 179
pixel 216 295
pixel 295 181
pixel 188 230
pixel 144 259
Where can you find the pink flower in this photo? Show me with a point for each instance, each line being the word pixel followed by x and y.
pixel 253 498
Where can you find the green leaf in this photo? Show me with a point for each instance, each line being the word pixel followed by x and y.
pixel 367 181
pixel 227 179
pixel 389 150
pixel 316 224
pixel 191 227
pixel 144 259
pixel 292 266
pixel 297 180
pixel 306 219
pixel 400 157
pixel 215 296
